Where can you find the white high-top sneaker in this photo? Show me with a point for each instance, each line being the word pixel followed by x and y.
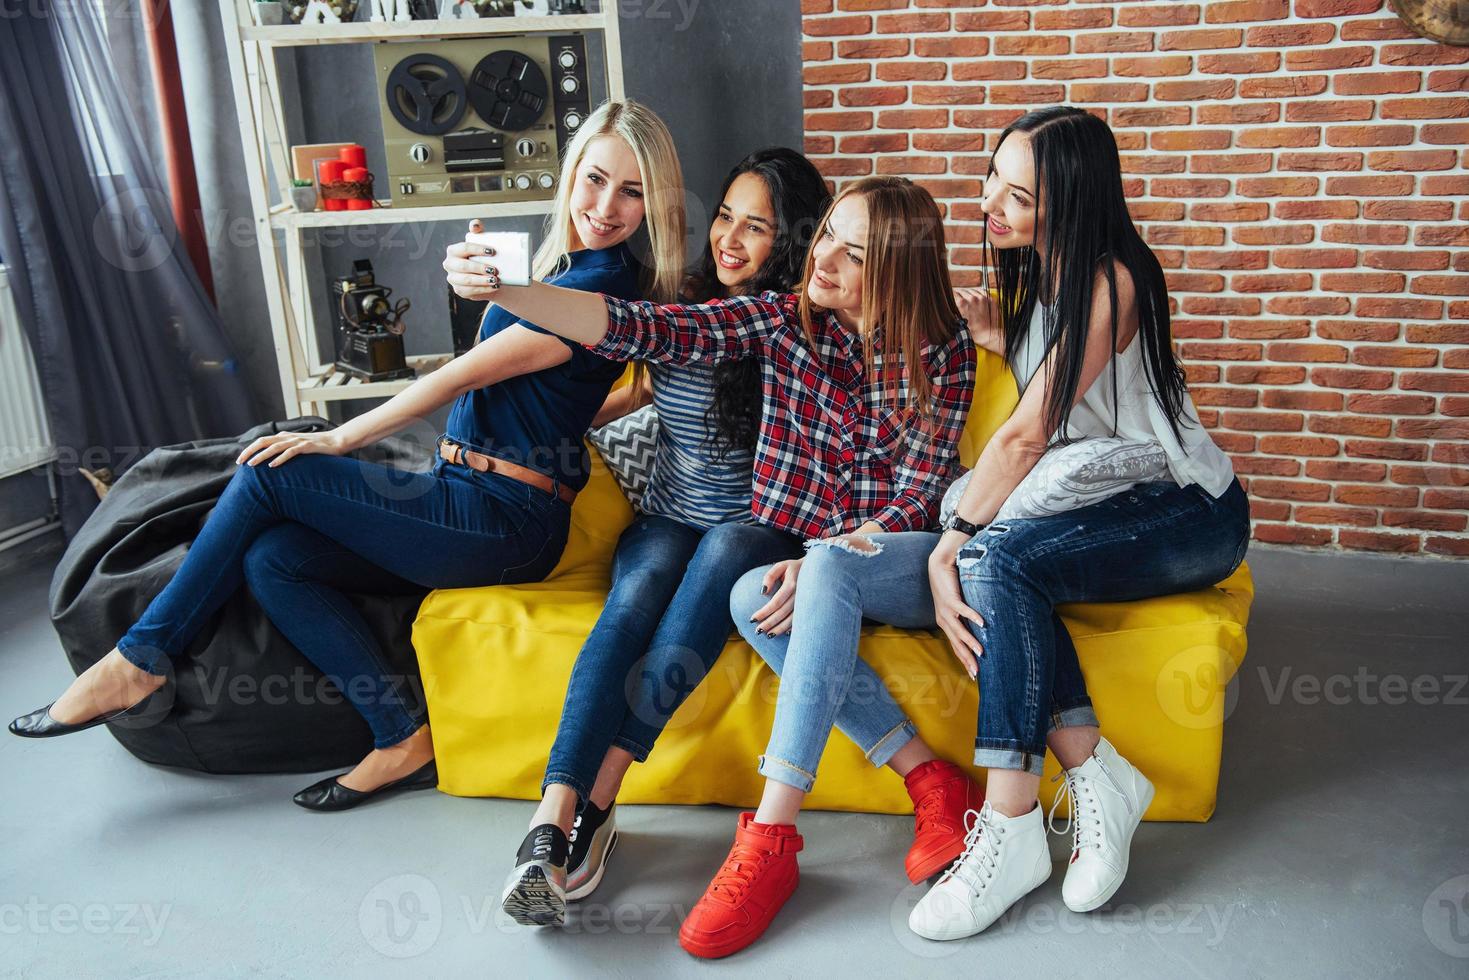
pixel 1108 797
pixel 1004 859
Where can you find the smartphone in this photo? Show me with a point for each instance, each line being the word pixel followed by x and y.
pixel 512 254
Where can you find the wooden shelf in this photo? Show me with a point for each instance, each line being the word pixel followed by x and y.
pixel 359 32
pixel 337 385
pixel 305 383
pixel 287 217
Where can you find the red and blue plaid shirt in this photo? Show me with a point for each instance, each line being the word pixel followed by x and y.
pixel 831 453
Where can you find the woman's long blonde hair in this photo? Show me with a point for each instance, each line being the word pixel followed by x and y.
pixel 907 296
pixel 663 195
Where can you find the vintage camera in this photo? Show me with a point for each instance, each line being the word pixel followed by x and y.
pixel 369 327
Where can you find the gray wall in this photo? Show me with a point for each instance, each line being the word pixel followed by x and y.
pixel 725 77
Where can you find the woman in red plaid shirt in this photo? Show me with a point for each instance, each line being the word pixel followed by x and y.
pixel 867 375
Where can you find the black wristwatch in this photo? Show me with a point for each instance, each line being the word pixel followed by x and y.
pixel 957 523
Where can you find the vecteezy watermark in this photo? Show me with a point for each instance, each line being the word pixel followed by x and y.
pixel 401 916
pixel 112 11
pixel 1040 917
pixel 405 915
pixel 1364 687
pixel 1192 690
pixel 664 689
pixel 586 918
pixel 220 685
pixel 683 10
pixel 36 917
pixel 134 230
pixel 1446 917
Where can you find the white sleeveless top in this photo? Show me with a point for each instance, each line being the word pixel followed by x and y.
pixel 1194 459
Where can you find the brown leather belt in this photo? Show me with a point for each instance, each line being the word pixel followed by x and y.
pixel 457 454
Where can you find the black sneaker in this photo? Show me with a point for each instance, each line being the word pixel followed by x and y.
pixel 535 892
pixel 593 835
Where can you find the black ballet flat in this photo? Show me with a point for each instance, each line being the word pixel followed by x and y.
pixel 329 795
pixel 40 724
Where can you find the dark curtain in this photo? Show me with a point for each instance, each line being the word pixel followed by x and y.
pixel 130 352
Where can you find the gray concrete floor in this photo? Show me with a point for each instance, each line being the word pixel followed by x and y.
pixel 1340 847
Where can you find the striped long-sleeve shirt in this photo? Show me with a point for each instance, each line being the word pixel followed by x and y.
pixel 692 481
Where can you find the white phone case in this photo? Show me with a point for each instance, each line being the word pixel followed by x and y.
pixel 512 254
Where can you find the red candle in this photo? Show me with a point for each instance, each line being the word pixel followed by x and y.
pixel 354 174
pixel 331 173
pixel 353 156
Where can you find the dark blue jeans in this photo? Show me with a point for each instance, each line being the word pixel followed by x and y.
pixel 303 533
pixel 664 624
pixel 1155 539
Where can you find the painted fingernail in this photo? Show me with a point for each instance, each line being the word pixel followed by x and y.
pixel 489 251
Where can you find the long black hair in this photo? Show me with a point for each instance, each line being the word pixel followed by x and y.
pixel 1086 230
pixel 799 197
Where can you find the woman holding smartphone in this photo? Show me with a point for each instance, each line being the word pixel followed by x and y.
pixel 667 617
pixel 302 525
pixel 868 373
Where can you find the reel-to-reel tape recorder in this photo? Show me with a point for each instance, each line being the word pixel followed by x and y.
pixel 480 120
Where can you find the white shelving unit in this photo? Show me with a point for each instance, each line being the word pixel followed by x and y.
pixel 307 384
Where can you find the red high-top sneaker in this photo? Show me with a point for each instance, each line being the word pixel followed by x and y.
pixel 942 793
pixel 756 879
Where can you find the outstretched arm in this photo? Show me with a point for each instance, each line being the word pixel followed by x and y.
pixel 615 328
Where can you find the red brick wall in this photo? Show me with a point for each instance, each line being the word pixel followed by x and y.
pixel 1299 169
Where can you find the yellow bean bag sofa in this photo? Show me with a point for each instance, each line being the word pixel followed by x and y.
pixel 495 663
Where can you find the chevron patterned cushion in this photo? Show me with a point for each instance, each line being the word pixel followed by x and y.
pixel 628 445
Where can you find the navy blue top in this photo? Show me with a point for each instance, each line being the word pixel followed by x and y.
pixel 538 419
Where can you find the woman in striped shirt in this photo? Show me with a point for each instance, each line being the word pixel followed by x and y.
pixel 867 375
pixel 666 618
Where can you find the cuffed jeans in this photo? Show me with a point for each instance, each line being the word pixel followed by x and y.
pixel 664 624
pixel 824 682
pixel 1155 539
pixel 303 533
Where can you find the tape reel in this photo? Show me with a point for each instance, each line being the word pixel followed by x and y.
pixel 508 90
pixel 426 94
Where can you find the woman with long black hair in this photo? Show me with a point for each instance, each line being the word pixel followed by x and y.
pixel 1081 314
pixel 666 617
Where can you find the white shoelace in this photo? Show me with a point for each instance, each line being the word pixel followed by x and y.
pixel 1084 817
pixel 981 844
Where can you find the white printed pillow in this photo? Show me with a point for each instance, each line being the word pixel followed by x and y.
pixel 628 446
pixel 1072 476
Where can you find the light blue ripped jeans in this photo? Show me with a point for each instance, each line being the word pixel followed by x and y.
pixel 823 680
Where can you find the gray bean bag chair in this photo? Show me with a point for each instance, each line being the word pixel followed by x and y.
pixel 241 699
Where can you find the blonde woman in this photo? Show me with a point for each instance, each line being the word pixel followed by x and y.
pixel 310 525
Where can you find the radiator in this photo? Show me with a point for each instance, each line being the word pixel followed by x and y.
pixel 25 438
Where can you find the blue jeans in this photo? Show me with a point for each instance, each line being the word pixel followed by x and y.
pixel 823 680
pixel 664 624
pixel 303 533
pixel 1155 539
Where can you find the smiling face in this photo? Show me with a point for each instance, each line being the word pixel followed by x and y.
pixel 743 233
pixel 607 199
pixel 1010 203
pixel 836 268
